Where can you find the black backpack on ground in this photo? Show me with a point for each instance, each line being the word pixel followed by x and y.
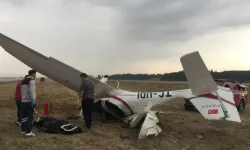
pixel 55 125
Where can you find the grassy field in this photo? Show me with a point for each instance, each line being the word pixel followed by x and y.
pixel 181 129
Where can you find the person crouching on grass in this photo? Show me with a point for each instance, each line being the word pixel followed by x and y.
pixel 28 92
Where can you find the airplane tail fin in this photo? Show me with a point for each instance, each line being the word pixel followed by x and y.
pixel 212 101
pixel 197 74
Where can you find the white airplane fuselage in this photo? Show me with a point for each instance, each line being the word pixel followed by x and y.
pixel 133 102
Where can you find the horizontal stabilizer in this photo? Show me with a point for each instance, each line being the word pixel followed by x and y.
pixel 197 74
pixel 209 108
pixel 210 105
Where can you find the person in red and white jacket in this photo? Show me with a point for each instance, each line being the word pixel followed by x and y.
pixel 18 98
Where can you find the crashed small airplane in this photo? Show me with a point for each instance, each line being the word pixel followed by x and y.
pixel 212 101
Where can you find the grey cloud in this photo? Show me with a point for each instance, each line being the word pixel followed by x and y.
pixel 166 20
pixel 18 2
pixel 174 20
pixel 159 23
pixel 120 32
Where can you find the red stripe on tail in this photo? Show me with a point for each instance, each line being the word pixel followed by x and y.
pixel 209 95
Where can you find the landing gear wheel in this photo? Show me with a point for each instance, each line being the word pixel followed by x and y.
pixel 241 106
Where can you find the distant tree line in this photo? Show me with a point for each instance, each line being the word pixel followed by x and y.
pixel 243 76
pixel 129 76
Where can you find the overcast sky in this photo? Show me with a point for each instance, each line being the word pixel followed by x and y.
pixel 128 36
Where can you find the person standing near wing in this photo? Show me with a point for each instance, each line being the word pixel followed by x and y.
pixel 18 99
pixel 87 96
pixel 28 92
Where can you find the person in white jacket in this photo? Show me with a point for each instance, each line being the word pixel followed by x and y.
pixel 28 102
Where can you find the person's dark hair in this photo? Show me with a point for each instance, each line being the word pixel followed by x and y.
pixel 83 75
pixel 26 76
pixel 31 72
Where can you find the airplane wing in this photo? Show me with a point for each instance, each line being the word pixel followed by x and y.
pixel 51 67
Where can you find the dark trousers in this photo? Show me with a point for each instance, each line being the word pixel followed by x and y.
pixel 27 117
pixel 87 105
pixel 18 106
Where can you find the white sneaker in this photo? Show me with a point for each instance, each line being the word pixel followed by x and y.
pixel 30 134
pixel 23 132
